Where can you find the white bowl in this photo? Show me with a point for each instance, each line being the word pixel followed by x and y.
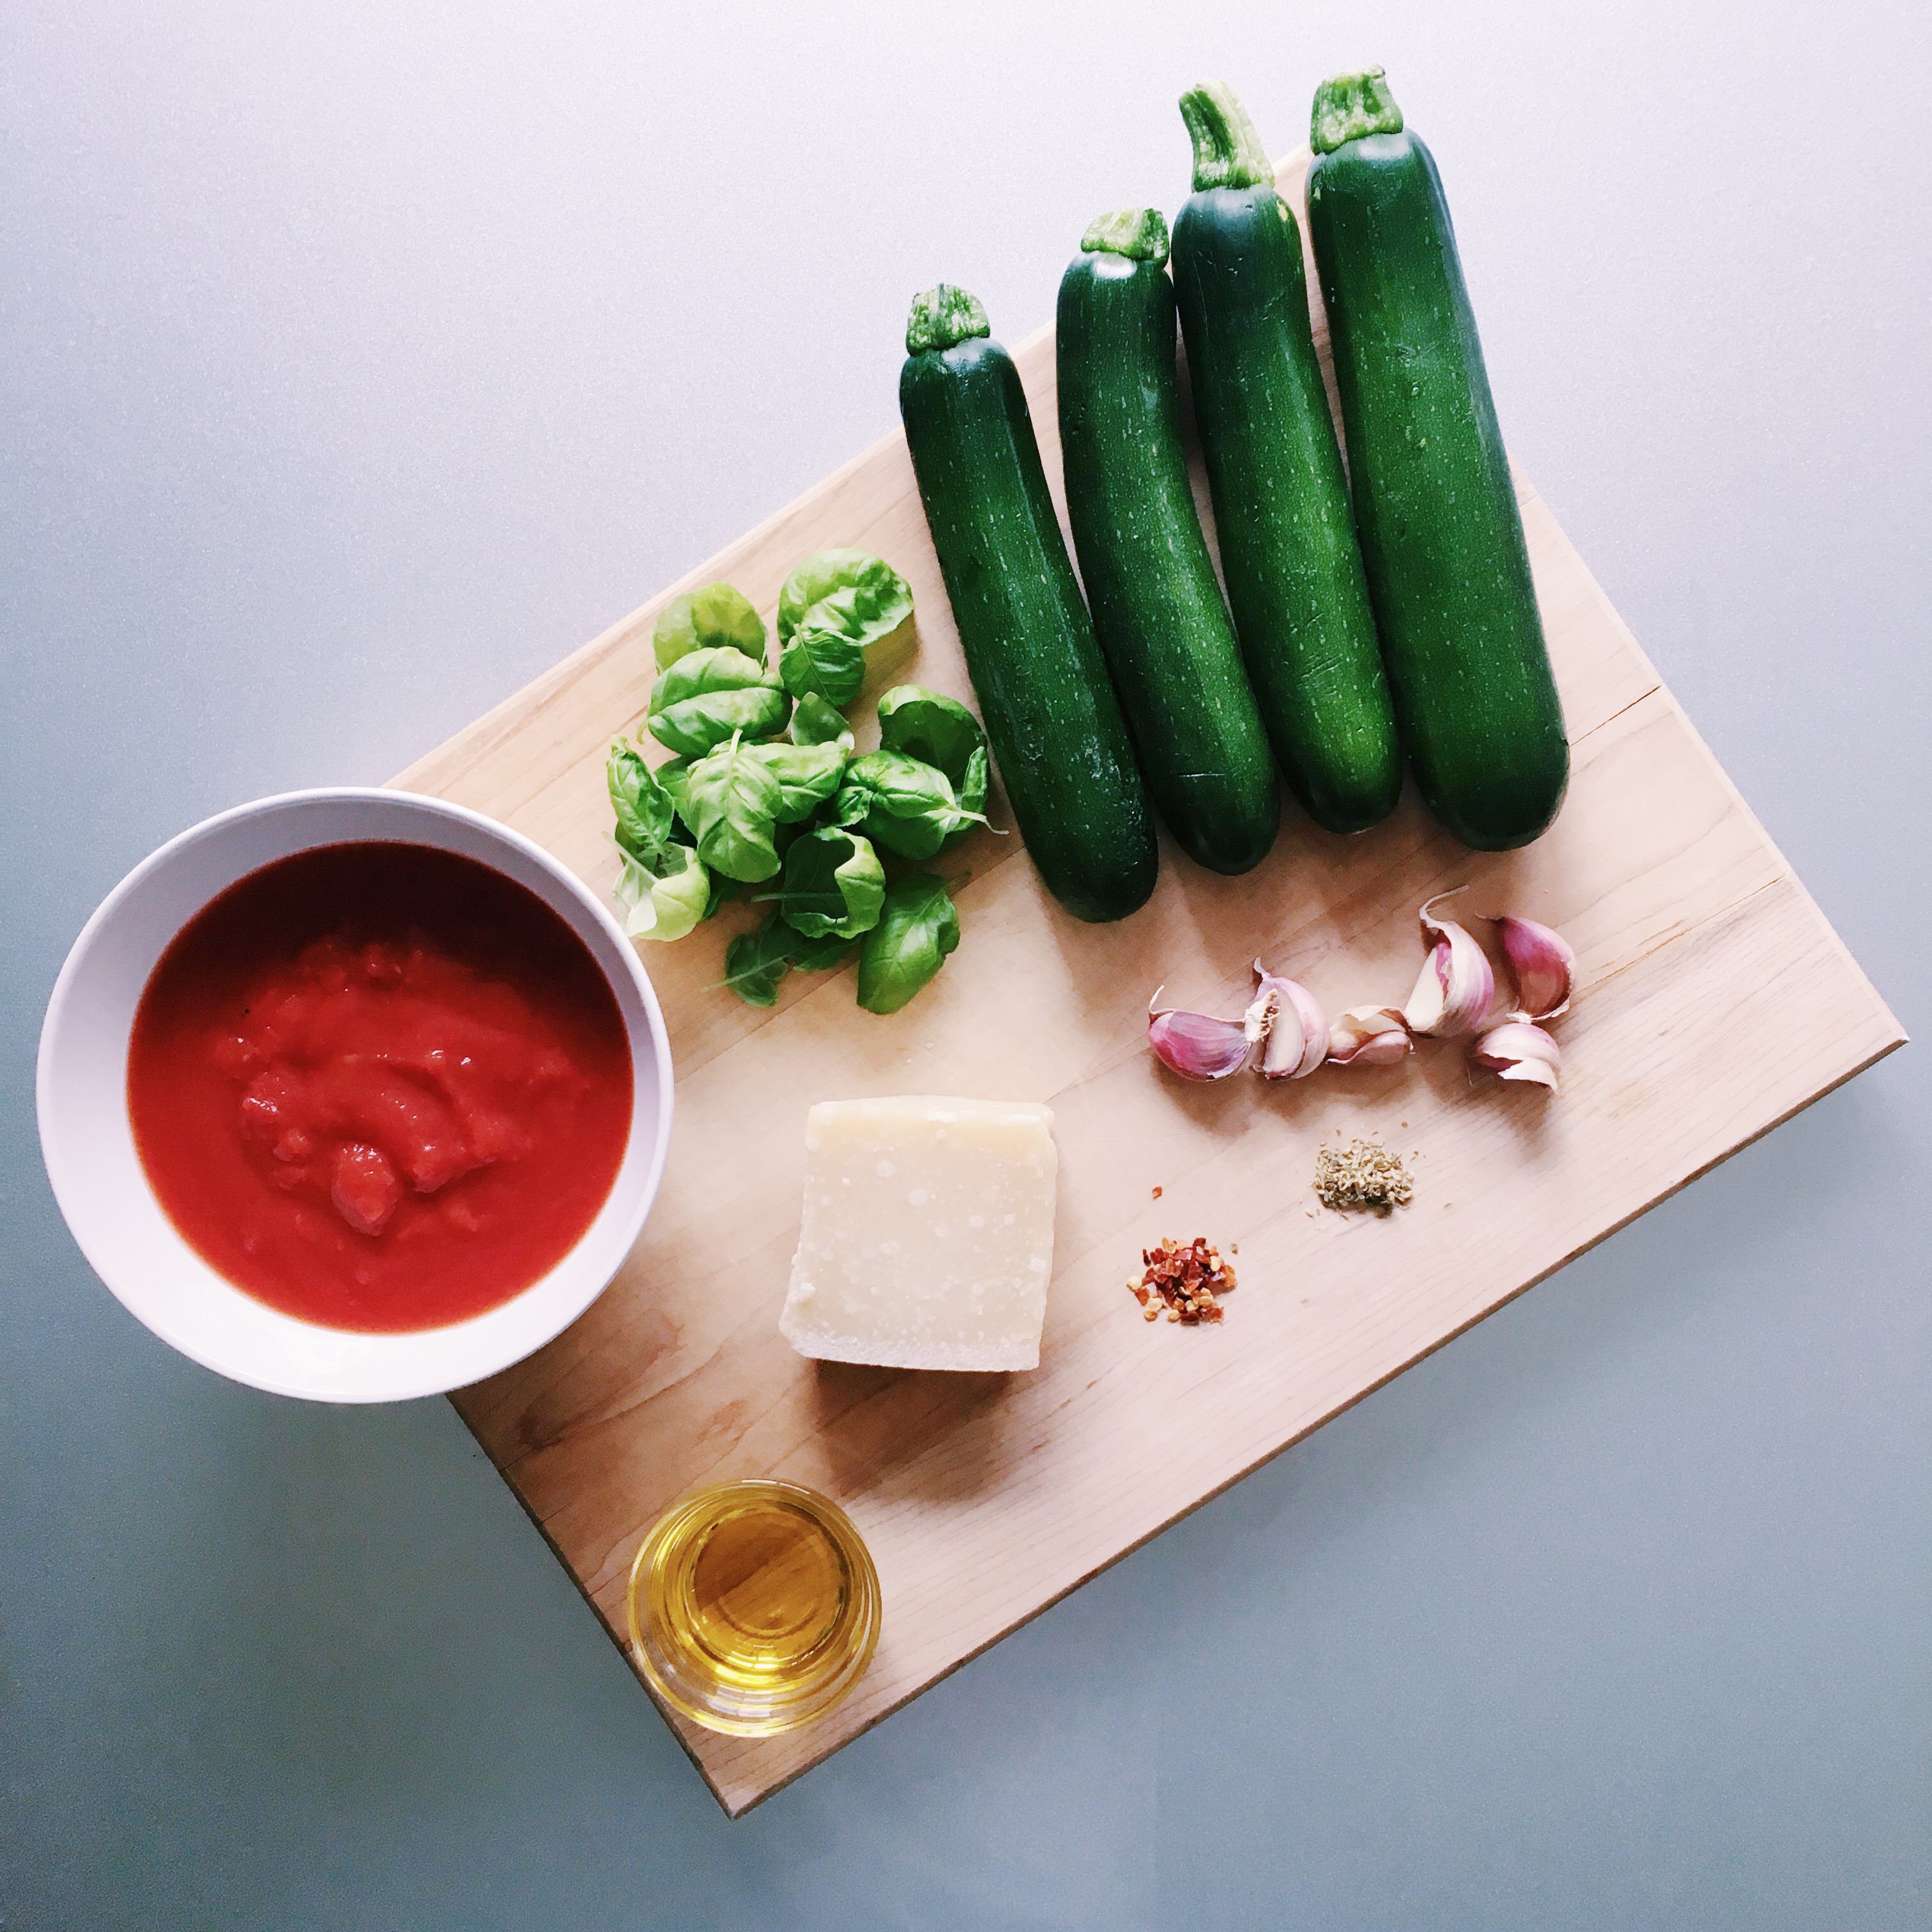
pixel 88 1140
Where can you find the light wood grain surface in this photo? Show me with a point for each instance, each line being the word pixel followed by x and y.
pixel 983 1498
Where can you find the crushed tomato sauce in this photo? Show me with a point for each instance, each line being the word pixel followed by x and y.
pixel 379 1087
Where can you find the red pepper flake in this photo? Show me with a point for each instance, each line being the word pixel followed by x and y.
pixel 1157 1193
pixel 1188 1277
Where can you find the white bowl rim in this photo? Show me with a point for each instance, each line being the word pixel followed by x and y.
pixel 428 804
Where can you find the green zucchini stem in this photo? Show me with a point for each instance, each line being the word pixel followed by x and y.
pixel 1139 233
pixel 943 316
pixel 1228 152
pixel 1348 105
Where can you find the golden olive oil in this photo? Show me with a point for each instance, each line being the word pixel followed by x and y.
pixel 754 1607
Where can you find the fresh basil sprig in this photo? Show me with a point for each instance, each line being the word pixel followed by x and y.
pixel 708 696
pixel 737 805
pixel 917 928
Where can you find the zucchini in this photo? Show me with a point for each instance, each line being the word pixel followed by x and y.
pixel 1050 713
pixel 1288 553
pixel 1149 579
pixel 1441 535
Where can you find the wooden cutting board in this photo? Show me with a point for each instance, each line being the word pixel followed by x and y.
pixel 984 1498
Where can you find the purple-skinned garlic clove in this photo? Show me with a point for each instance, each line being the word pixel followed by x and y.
pixel 1542 965
pixel 1456 985
pixel 1517 1050
pixel 1197 1046
pixel 1370 1036
pixel 1285 1019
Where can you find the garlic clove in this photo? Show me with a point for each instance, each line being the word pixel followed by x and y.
pixel 1314 1029
pixel 1197 1046
pixel 1517 1050
pixel 1290 1026
pixel 1457 984
pixel 1370 1036
pixel 1542 964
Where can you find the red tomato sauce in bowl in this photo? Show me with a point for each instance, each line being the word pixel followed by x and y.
pixel 379 1087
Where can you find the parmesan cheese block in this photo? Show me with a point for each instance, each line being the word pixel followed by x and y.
pixel 928 1238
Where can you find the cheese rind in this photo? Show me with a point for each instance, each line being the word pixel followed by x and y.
pixel 927 1240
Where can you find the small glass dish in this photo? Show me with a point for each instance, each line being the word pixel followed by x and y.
pixel 753 1606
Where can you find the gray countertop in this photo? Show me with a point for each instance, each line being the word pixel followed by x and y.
pixel 357 367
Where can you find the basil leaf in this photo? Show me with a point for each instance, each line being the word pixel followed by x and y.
pixel 852 595
pixel 808 775
pixel 708 695
pixel 731 804
pixel 822 663
pixel 928 725
pixel 972 791
pixel 716 617
pixel 672 775
pixel 785 837
pixel 917 928
pixel 754 963
pixel 834 884
pixel 644 810
pixel 867 599
pixel 666 901
pixel 816 722
pixel 911 809
pixel 850 807
pixel 817 956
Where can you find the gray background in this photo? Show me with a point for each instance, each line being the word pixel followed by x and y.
pixel 360 362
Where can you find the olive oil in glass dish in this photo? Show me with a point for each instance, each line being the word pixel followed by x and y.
pixel 754 1607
